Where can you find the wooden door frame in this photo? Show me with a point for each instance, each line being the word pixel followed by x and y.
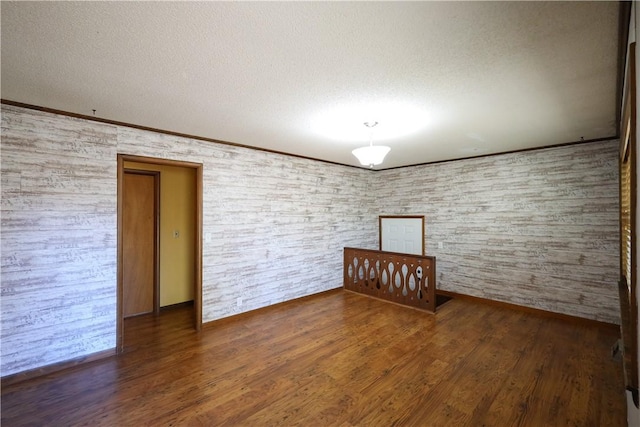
pixel 156 234
pixel 197 295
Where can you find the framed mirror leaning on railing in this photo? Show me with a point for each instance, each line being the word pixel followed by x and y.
pixel 403 234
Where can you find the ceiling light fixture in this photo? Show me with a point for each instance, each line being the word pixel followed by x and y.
pixel 371 155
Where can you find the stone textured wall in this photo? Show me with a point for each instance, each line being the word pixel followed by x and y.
pixel 537 228
pixel 274 227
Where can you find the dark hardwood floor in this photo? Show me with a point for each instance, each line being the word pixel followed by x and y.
pixel 340 359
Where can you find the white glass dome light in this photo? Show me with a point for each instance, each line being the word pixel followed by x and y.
pixel 371 155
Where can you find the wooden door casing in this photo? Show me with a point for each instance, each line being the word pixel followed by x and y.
pixel 197 303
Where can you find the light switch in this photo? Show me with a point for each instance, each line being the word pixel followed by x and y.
pixel 176 234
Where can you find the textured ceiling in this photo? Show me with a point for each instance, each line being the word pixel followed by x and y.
pixel 445 80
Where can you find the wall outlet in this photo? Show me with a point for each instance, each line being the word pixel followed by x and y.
pixel 239 302
pixel 440 245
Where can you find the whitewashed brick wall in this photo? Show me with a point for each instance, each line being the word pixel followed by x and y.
pixel 58 239
pixel 537 228
pixel 274 229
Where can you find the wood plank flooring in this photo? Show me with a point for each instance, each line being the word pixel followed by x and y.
pixel 340 359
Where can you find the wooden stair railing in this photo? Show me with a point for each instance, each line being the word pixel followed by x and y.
pixel 401 278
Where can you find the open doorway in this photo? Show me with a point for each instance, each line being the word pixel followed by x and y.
pixel 178 238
